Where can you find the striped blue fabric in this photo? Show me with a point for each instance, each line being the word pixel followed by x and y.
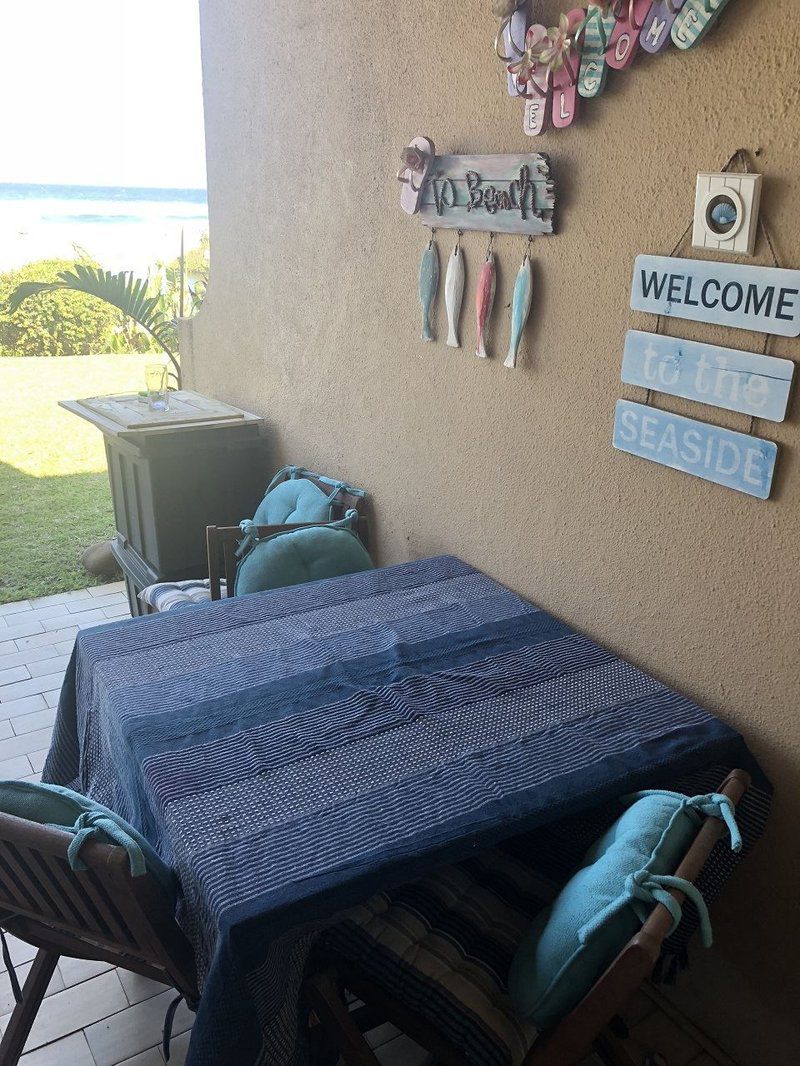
pixel 291 752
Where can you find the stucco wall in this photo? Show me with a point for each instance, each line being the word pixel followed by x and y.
pixel 312 320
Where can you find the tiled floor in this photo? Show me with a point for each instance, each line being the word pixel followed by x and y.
pixel 94 1014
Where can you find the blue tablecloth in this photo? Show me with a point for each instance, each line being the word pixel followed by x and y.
pixel 291 751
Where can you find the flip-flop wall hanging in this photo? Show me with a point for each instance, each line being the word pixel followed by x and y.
pixel 555 67
pixel 512 194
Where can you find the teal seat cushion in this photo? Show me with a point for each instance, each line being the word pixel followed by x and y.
pixel 299 555
pixel 622 876
pixel 292 502
pixel 64 809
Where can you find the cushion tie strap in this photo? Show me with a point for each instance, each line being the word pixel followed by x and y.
pixel 89 825
pixel 9 965
pixel 715 805
pixel 169 1019
pixel 249 537
pixel 654 888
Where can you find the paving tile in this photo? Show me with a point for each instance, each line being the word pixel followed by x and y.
pixel 48 637
pixel 55 610
pixel 402 1052
pixel 29 742
pixel 29 723
pixel 74 971
pixel 659 1033
pixel 151 1057
pixel 14 608
pixel 75 1008
pixel 28 657
pixel 7 1002
pixel 64 620
pixel 70 1051
pixel 19 950
pixel 7 647
pixel 60 597
pixel 16 673
pixel 109 589
pixel 6 729
pixel 133 1030
pixel 179 1049
pixel 381 1034
pixel 137 987
pixel 15 769
pixel 122 610
pixel 15 708
pixel 53 665
pixel 51 698
pixel 96 603
pixel 23 627
pixel 37 759
pixel 31 687
pixel 64 647
pixel 33 778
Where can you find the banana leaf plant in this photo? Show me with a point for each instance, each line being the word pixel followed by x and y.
pixel 123 291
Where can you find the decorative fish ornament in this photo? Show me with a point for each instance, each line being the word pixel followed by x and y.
pixel 484 301
pixel 428 286
pixel 454 294
pixel 520 309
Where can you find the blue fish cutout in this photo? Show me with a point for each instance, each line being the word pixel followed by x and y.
pixel 520 309
pixel 428 287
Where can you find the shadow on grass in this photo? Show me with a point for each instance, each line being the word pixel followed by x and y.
pixel 45 524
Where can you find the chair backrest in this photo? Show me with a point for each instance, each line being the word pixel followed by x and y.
pixel 222 541
pixel 573 1036
pixel 99 913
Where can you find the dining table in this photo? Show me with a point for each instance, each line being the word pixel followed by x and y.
pixel 289 753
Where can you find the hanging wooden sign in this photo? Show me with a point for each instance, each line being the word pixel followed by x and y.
pixel 735 460
pixel 762 299
pixel 494 193
pixel 753 384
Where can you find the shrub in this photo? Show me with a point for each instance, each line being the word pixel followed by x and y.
pixel 59 323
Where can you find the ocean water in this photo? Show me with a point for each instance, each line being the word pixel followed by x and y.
pixel 122 228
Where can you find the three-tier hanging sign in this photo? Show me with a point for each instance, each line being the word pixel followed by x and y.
pixel 554 69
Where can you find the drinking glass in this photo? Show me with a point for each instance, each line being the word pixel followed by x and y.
pixel 155 376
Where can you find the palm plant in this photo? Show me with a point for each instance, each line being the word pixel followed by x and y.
pixel 123 291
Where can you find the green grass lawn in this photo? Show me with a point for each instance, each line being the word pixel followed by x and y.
pixel 54 493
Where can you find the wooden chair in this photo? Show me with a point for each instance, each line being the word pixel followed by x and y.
pixel 222 541
pixel 101 913
pixel 583 1030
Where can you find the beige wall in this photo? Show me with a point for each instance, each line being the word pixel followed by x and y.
pixel 312 320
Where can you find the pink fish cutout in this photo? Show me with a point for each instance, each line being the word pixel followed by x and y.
pixel 565 82
pixel 624 43
pixel 484 301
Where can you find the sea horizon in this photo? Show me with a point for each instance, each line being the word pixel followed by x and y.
pixel 123 227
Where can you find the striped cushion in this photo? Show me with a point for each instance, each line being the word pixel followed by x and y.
pixel 442 946
pixel 170 595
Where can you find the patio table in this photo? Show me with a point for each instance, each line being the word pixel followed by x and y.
pixel 290 752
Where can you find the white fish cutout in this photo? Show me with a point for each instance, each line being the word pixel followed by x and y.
pixel 520 310
pixel 428 286
pixel 454 294
pixel 484 301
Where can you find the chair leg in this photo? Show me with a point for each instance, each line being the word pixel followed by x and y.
pixel 324 997
pixel 24 1015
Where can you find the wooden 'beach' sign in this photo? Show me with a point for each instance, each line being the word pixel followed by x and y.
pixel 735 460
pixel 494 193
pixel 497 193
pixel 753 384
pixel 762 299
